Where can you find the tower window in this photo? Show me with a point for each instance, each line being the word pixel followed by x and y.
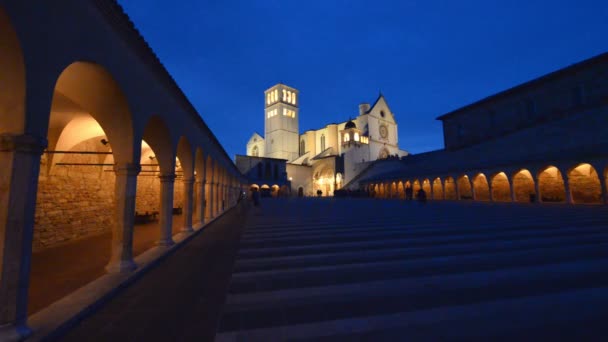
pixel 255 152
pixel 356 136
pixel 346 137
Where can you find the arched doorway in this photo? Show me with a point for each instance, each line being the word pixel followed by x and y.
pixel 482 189
pixel 551 185
pixel 300 192
pixel 450 189
pixel 464 188
pixel 501 190
pixel 426 186
pixel 523 186
pixel 585 184
pixel 437 189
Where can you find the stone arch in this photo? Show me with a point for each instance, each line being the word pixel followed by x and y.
pixel 416 187
pixel 584 184
pixel 89 131
pixel 400 190
pixel 393 189
pixel 186 157
pixel 437 189
pixel 274 190
pixel 12 79
pixel 501 190
pixel 523 185
pixel 199 185
pixel 464 187
pixel 209 184
pixel 450 189
pixel 551 185
pixel 482 189
pixel 426 186
pixel 156 133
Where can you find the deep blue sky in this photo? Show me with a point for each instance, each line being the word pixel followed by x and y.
pixel 427 57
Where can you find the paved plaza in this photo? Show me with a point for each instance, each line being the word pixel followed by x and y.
pixel 366 269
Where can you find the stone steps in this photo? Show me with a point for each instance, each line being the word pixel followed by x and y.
pixel 399 271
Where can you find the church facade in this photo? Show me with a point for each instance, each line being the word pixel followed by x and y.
pixel 320 161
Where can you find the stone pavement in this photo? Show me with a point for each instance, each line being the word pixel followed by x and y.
pixel 58 271
pixel 381 270
pixel 179 299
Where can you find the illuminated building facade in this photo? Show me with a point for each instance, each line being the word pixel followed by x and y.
pixel 324 159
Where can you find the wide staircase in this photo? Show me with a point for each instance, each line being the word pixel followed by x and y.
pixel 388 270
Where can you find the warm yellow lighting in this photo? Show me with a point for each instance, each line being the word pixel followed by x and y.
pixel 293 99
pixel 356 136
pixel 346 137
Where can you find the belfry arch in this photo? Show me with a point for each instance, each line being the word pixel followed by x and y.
pixel 501 190
pixel 585 184
pixel 551 185
pixel 482 189
pixel 523 186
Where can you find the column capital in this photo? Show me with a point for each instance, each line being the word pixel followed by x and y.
pixel 188 180
pixel 127 169
pixel 22 143
pixel 167 178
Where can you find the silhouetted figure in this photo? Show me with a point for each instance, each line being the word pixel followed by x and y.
pixel 408 193
pixel 421 196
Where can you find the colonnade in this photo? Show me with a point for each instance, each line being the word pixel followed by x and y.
pixel 566 182
pixel 92 138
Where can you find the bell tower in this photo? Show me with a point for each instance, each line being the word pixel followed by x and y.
pixel 281 129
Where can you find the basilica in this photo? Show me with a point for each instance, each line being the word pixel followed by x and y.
pixel 318 161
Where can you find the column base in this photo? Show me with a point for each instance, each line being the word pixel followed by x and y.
pixel 165 242
pixel 188 229
pixel 12 332
pixel 121 266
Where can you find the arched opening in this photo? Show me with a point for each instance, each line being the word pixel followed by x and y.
pixel 501 190
pixel 300 192
pixel 551 185
pixel 265 191
pixel 199 196
pixel 89 131
pixel 274 191
pixel 464 188
pixel 209 184
pixel 393 190
pixel 523 186
pixel 426 186
pixel 482 189
pixel 437 189
pixel 585 184
pixel 400 190
pixel 184 189
pixel 12 79
pixel 450 189
pixel 416 187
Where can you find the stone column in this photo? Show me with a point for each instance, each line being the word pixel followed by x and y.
pixel 20 160
pixel 604 191
pixel 188 205
pixel 211 203
pixel 491 192
pixel 457 189
pixel 200 201
pixel 512 189
pixel 442 190
pixel 567 189
pixel 471 184
pixel 166 209
pixel 217 198
pixel 537 191
pixel 125 189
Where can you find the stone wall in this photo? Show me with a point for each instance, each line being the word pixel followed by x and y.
pixel 73 201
